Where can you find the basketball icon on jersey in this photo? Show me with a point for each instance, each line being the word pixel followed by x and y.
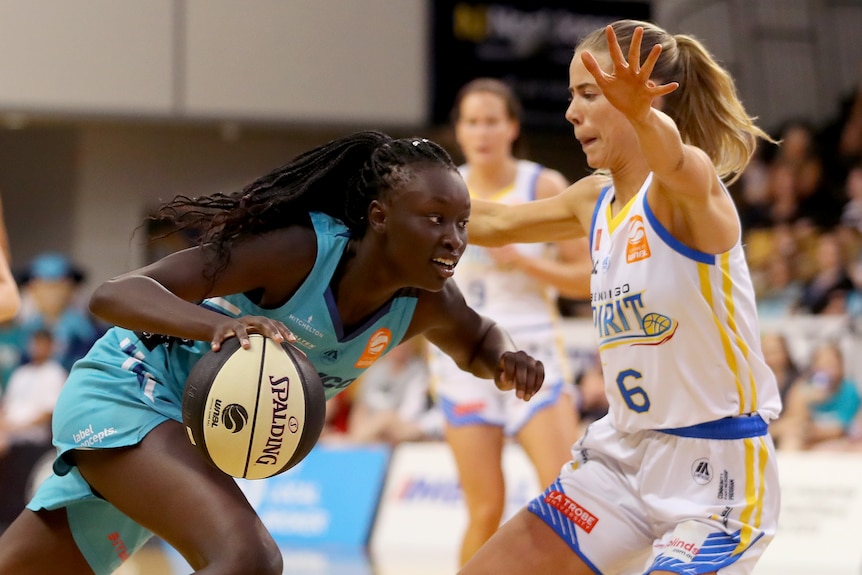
pixel 656 323
pixel 637 248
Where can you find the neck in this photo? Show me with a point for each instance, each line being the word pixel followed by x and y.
pixel 627 183
pixel 485 180
pixel 360 285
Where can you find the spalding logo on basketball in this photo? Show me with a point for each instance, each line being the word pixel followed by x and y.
pixel 257 412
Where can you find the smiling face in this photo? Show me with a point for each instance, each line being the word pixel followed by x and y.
pixel 485 129
pixel 605 134
pixel 423 224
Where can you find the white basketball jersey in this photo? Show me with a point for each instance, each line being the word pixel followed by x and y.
pixel 524 307
pixel 677 328
pixel 509 296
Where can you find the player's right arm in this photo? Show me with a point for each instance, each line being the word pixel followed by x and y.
pixel 163 297
pixel 562 217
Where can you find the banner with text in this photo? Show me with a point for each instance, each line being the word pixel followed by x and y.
pixel 525 43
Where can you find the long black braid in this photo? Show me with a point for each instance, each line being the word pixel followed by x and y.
pixel 339 178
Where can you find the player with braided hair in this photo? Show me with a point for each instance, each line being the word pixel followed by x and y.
pixel 351 244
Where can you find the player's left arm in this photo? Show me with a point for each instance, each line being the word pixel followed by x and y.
pixel 569 267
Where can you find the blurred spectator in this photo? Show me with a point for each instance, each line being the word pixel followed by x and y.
pixel 827 291
pixel 851 213
pixel 25 421
pixel 817 202
pixel 783 207
pixel 822 406
pixel 49 288
pixel 776 352
pixel 779 290
pixel 393 402
pixel 752 194
pixel 850 122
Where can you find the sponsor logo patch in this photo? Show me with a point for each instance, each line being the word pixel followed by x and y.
pixel 637 248
pixel 573 512
pixel 377 344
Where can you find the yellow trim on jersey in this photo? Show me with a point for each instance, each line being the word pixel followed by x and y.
pixel 615 220
pixel 727 290
pixel 706 290
pixel 496 196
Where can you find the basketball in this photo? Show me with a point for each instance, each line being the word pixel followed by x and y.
pixel 256 412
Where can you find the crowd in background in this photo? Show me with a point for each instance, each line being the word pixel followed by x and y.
pixel 801 210
pixel 52 330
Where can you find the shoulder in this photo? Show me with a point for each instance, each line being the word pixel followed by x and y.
pixel 584 193
pixel 280 251
pixel 550 182
pixel 296 239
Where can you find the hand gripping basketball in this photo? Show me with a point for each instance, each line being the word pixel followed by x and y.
pixel 254 413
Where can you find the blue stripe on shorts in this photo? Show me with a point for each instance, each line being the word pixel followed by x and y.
pixel 564 527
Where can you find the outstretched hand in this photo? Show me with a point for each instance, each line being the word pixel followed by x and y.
pixel 519 371
pixel 628 88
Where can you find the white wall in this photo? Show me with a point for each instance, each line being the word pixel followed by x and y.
pixel 124 173
pixel 306 61
pixel 92 56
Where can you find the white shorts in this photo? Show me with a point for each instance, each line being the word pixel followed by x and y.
pixel 468 400
pixel 689 501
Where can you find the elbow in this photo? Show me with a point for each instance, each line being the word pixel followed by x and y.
pixel 103 298
pixel 11 305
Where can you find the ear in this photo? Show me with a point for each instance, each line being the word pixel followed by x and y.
pixel 514 130
pixel 377 216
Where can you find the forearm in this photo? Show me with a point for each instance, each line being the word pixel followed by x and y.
pixel 486 358
pixel 140 303
pixel 660 142
pixel 484 226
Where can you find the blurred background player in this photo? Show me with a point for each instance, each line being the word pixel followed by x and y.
pixel 52 301
pixel 514 285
